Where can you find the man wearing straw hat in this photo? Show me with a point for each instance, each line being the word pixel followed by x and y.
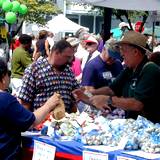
pixel 137 88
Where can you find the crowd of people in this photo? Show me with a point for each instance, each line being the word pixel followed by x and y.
pixel 119 74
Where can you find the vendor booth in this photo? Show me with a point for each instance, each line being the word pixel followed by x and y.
pixel 58 24
pixel 78 137
pixel 72 150
pixel 61 23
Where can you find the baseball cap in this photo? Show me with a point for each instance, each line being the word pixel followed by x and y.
pixel 113 49
pixel 114 54
pixel 91 39
pixel 123 24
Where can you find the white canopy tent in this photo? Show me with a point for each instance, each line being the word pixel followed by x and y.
pixel 141 5
pixel 58 24
pixel 62 24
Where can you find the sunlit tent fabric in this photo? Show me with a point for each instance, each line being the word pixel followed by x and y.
pixel 62 24
pixel 141 5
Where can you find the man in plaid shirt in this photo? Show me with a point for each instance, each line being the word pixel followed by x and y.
pixel 49 75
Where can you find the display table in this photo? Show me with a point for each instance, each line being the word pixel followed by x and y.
pixel 72 150
pixel 110 153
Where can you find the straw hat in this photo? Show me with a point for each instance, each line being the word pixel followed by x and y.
pixel 134 38
pixel 73 41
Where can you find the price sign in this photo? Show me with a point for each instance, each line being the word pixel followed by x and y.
pixel 124 158
pixel 43 151
pixel 88 155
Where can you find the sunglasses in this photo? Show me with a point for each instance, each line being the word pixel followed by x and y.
pixel 90 43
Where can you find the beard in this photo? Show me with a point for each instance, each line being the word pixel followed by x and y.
pixel 61 68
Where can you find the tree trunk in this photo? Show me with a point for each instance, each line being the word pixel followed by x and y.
pixel 143 21
pixel 18 29
pixel 129 21
pixel 10 38
pixel 107 23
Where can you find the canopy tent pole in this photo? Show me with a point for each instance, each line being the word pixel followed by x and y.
pixel 154 16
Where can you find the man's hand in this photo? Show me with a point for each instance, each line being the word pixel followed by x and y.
pixel 53 101
pixel 80 95
pixel 100 102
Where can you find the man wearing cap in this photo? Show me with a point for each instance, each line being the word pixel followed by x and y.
pixel 81 51
pixel 123 27
pixel 92 52
pixel 101 70
pixel 137 88
pixel 76 62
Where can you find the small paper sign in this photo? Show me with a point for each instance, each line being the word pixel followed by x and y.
pixel 88 155
pixel 124 158
pixel 43 151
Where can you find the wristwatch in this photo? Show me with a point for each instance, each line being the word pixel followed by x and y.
pixel 110 102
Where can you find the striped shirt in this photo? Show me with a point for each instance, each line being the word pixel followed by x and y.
pixel 40 81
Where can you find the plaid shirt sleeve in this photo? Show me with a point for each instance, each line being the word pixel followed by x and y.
pixel 28 86
pixel 75 84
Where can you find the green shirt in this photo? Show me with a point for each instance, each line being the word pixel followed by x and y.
pixel 143 85
pixel 20 60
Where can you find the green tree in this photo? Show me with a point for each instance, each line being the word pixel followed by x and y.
pixel 131 16
pixel 38 10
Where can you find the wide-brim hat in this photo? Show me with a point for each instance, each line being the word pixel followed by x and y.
pixel 135 39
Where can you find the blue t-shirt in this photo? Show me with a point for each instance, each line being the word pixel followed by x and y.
pixel 14 119
pixel 98 73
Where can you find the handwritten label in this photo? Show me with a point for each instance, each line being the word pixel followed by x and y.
pixel 88 155
pixel 43 151
pixel 124 158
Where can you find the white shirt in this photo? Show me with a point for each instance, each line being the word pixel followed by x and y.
pixel 50 41
pixel 81 52
pixel 94 54
pixel 157 49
